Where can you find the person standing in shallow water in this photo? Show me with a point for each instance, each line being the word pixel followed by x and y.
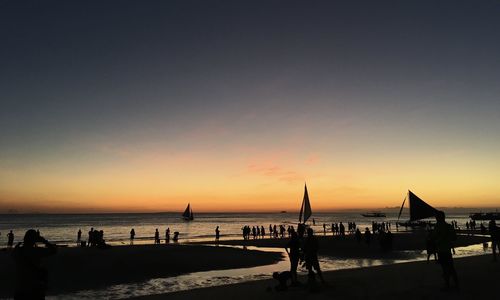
pixel 10 239
pixel 32 279
pixel 167 235
pixel 443 237
pixel 157 237
pixel 217 233
pixel 79 237
pixel 132 236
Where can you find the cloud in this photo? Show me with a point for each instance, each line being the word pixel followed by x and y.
pixel 277 172
pixel 313 159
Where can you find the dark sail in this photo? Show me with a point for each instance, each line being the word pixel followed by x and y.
pixel 419 209
pixel 188 213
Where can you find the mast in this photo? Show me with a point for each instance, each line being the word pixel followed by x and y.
pixel 401 209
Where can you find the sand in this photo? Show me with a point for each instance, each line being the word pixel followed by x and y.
pixel 74 269
pixel 416 280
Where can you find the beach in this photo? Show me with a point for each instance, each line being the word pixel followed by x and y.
pixel 74 269
pixel 415 280
pixel 79 269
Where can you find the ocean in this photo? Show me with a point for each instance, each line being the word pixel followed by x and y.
pixel 63 228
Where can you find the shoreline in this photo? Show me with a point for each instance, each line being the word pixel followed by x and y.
pixel 410 280
pixel 348 247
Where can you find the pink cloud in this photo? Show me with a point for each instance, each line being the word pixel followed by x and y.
pixel 276 171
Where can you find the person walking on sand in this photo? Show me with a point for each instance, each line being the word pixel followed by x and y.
pixel 443 237
pixel 217 234
pixel 79 237
pixel 294 255
pixel 311 247
pixel 167 235
pixel 31 277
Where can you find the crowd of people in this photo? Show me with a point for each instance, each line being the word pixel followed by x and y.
pixel 96 239
pixel 302 248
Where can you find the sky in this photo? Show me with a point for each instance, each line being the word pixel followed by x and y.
pixel 120 106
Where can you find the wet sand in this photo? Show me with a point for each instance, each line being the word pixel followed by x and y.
pixel 348 247
pixel 415 280
pixel 74 269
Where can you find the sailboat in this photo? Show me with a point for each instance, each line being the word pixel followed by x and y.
pixel 188 213
pixel 305 209
pixel 419 210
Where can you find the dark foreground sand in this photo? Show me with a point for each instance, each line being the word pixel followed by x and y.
pixel 74 269
pixel 417 280
pixel 348 247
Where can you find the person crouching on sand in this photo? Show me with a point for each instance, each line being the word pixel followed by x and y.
pixel 443 237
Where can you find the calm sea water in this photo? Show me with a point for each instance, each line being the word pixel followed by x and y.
pixel 63 228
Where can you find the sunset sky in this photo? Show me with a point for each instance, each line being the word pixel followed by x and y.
pixel 234 105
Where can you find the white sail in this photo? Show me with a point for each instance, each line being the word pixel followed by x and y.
pixel 305 209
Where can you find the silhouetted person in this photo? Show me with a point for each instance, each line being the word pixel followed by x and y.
pixel 132 236
pixel 301 228
pixel 282 278
pixel 79 236
pixel 324 229
pixel 10 239
pixel 311 247
pixel 495 238
pixel 32 278
pixel 167 235
pixel 430 246
pixel 443 236
pixel 358 235
pixel 217 233
pixel 293 254
pixel 157 237
pixel 176 237
pixel 388 240
pixel 483 228
pixel 90 242
pixel 368 236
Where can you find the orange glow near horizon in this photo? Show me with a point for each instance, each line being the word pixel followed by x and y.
pixel 264 182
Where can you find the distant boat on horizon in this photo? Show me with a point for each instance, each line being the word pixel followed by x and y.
pixel 188 213
pixel 374 214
